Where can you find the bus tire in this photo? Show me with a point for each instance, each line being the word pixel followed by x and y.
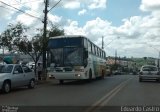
pixel 103 73
pixel 90 75
pixel 61 81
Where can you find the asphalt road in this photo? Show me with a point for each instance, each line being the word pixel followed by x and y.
pixel 118 90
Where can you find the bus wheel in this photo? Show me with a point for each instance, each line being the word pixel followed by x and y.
pixel 102 74
pixel 61 81
pixel 90 75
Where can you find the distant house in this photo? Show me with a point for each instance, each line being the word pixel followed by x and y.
pixel 122 63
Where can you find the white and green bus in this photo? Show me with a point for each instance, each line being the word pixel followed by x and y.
pixel 75 58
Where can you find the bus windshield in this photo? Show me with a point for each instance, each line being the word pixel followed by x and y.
pixel 67 56
pixel 72 56
pixel 66 51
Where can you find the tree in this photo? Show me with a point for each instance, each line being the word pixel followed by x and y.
pixel 54 31
pixel 16 35
pixel 145 59
pixel 11 33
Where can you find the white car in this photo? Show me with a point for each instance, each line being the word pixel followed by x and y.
pixel 149 72
pixel 50 73
pixel 15 75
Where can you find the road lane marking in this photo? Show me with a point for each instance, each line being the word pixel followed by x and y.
pixel 105 99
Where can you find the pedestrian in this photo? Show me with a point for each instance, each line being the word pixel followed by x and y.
pixel 39 69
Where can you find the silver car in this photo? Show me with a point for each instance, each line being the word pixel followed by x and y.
pixel 149 72
pixel 15 75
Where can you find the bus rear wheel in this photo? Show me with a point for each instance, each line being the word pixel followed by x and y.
pixel 102 76
pixel 90 75
pixel 61 81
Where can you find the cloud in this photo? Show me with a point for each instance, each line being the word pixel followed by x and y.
pixel 72 5
pixel 72 28
pixel 97 28
pixel 6 11
pixel 26 19
pixel 54 19
pixel 95 4
pixel 150 5
pixel 76 4
pixel 129 28
pixel 93 29
pixel 134 33
pixel 82 12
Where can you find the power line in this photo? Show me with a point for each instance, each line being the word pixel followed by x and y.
pixel 5 7
pixel 112 41
pixel 19 3
pixel 23 4
pixel 16 1
pixel 22 11
pixel 55 5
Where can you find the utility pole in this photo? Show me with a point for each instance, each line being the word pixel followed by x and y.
pixel 102 43
pixel 44 37
pixel 116 59
pixel 158 64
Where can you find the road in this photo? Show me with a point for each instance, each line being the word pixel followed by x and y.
pixel 117 90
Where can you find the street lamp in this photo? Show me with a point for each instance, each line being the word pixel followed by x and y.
pixel 112 41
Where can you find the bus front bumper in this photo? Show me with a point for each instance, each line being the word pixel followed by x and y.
pixel 70 75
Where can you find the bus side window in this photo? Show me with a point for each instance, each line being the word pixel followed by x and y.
pixel 85 43
pixel 98 51
pixel 89 47
pixel 92 48
pixel 95 50
pixel 104 55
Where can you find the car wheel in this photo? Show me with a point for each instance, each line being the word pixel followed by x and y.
pixel 6 87
pixel 31 84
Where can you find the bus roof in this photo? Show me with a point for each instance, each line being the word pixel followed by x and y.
pixel 68 36
pixel 74 36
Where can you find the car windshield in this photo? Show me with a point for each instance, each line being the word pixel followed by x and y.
pixel 149 68
pixel 6 68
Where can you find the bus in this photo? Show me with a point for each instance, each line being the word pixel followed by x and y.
pixel 75 58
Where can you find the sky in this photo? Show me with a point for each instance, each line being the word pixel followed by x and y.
pixel 130 27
